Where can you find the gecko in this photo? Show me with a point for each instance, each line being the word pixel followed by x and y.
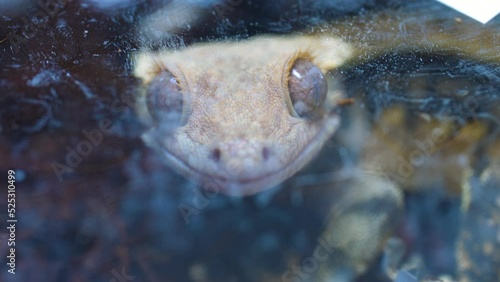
pixel 239 117
pixel 245 124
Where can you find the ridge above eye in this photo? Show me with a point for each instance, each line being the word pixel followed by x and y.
pixel 165 99
pixel 307 87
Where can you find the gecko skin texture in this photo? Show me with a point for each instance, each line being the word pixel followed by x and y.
pixel 236 102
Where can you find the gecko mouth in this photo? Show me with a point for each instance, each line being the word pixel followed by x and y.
pixel 239 185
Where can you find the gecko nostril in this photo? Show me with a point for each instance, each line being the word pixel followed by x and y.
pixel 265 153
pixel 215 155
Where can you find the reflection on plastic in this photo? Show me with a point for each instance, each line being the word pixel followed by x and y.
pixel 480 10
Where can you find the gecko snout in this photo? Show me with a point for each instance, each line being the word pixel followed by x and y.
pixel 243 152
pixel 215 154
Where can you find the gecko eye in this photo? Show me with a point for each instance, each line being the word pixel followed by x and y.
pixel 164 98
pixel 307 87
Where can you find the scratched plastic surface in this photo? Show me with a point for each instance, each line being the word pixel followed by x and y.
pixel 116 212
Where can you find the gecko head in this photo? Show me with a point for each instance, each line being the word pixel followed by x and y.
pixel 239 118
